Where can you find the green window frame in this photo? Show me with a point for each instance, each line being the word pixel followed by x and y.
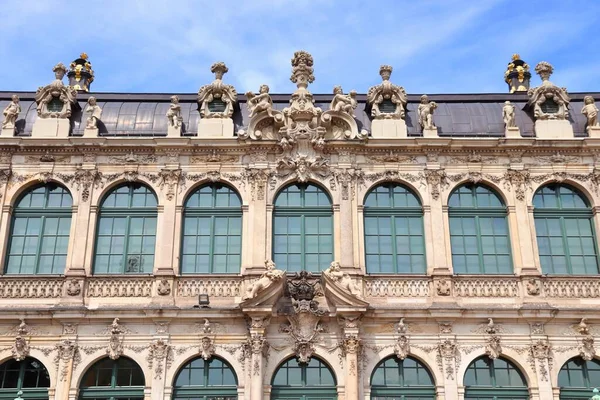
pixel 494 379
pixel 304 381
pixel 40 231
pixel 126 233
pixel 479 236
pixel 577 378
pixel 396 379
pixel 212 379
pixel 28 375
pixel 120 379
pixel 394 231
pixel 565 232
pixel 212 231
pixel 302 228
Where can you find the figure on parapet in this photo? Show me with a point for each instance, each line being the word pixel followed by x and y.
pixel 11 113
pixel 508 114
pixel 260 102
pixel 94 113
pixel 343 102
pixel 343 280
pixel 174 112
pixel 266 279
pixel 426 109
pixel 590 111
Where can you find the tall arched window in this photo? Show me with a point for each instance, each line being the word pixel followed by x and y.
pixel 313 380
pixel 28 375
pixel 206 380
pixel 212 231
pixel 126 231
pixel 565 231
pixel 302 229
pixel 406 379
pixel 39 235
pixel 577 378
pixel 479 231
pixel 394 241
pixel 120 379
pixel 494 379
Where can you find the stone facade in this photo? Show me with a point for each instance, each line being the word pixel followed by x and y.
pixel 443 319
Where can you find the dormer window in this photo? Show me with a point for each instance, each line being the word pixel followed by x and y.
pixel 549 106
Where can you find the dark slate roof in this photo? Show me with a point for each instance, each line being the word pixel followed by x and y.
pixel 143 114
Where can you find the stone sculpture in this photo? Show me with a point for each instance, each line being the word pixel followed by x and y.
pixel 343 280
pixel 590 111
pixel 174 113
pixel 386 94
pixel 266 279
pixel 425 110
pixel 260 102
pixel 94 113
pixel 217 99
pixel 55 99
pixel 343 103
pixel 549 102
pixel 11 113
pixel 508 114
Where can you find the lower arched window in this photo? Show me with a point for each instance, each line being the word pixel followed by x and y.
pixel 29 376
pixel 311 381
pixel 211 379
pixel 120 379
pixel 395 379
pixel 577 378
pixel 494 379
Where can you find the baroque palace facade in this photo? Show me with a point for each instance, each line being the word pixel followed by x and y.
pixel 347 246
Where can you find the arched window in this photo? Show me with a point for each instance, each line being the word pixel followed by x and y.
pixel 39 235
pixel 565 231
pixel 397 379
pixel 212 231
pixel 302 229
pixel 206 380
pixel 28 375
pixel 577 378
pixel 313 380
pixel 494 379
pixel 126 231
pixel 394 241
pixel 479 231
pixel 120 379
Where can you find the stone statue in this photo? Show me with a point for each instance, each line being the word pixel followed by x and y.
pixel 94 113
pixel 508 114
pixel 548 101
pixel 11 113
pixel 425 110
pixel 335 273
pixel 266 279
pixel 589 110
pixel 341 102
pixel 55 99
pixel 387 92
pixel 174 113
pixel 260 102
pixel 217 99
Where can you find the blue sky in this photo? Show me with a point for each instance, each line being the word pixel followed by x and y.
pixel 435 46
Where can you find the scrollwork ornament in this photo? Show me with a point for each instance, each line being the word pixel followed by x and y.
pixel 169 179
pixel 67 351
pixel 448 357
pixel 351 344
pixel 159 352
pixel 73 287
pixel 163 288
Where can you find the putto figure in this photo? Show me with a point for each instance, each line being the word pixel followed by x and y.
pixel 343 102
pixel 94 113
pixel 174 113
pixel 343 280
pixel 260 102
pixel 425 110
pixel 266 279
pixel 590 111
pixel 11 113
pixel 508 114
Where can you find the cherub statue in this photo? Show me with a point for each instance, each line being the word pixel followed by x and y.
pixel 11 113
pixel 425 111
pixel 343 102
pixel 508 114
pixel 94 113
pixel 260 102
pixel 174 113
pixel 589 110
pixel 335 273
pixel 266 279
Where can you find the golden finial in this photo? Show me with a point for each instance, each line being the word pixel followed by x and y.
pixel 84 56
pixel 516 56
